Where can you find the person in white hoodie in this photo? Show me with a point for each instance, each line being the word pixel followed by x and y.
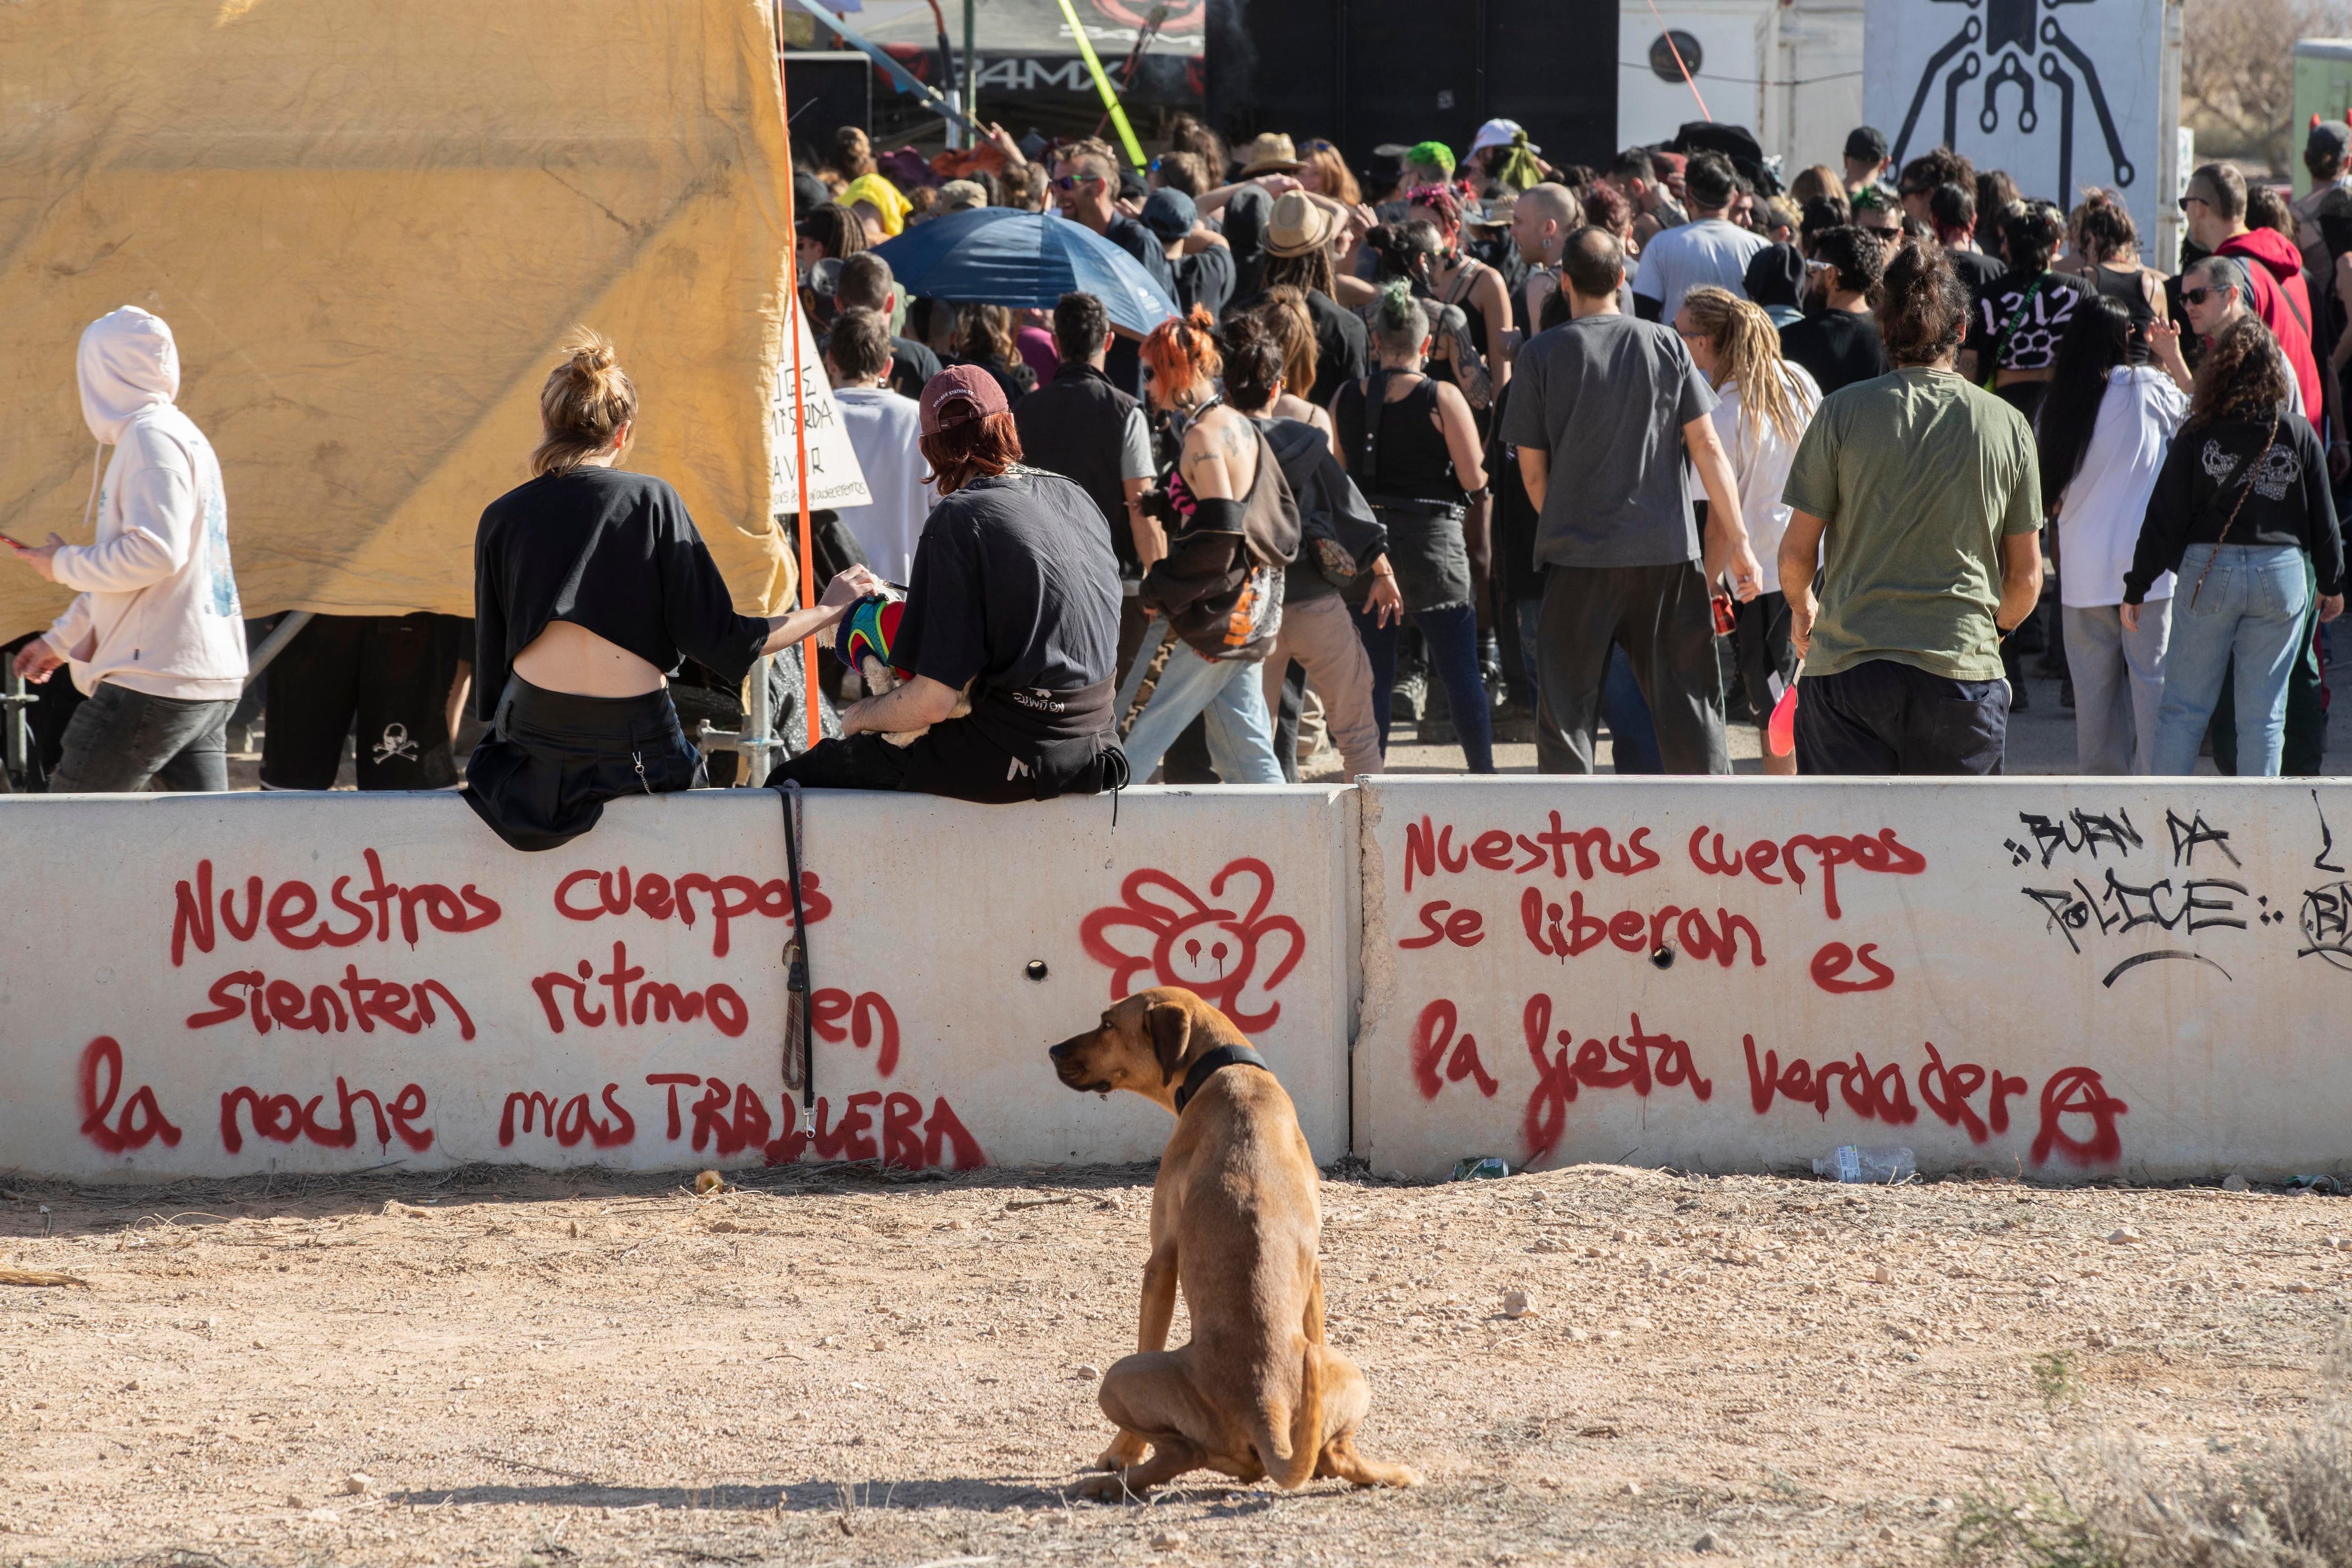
pixel 156 637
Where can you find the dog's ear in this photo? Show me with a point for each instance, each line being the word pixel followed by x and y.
pixel 1171 1031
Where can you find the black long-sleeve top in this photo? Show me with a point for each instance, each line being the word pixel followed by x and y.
pixel 609 551
pixel 2202 479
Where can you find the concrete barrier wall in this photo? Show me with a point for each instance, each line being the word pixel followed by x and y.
pixel 231 984
pixel 2062 978
pixel 2065 978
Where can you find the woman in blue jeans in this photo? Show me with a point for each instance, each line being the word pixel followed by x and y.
pixel 2241 513
pixel 1219 582
pixel 1412 449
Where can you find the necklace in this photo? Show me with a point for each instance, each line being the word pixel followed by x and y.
pixel 1184 420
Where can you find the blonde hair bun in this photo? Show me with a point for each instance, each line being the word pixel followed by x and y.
pixel 585 401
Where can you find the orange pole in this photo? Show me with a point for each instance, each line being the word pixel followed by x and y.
pixel 800 410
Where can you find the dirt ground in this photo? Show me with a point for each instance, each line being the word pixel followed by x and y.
pixel 830 1368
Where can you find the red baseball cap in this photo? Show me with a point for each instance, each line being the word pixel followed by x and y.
pixel 960 395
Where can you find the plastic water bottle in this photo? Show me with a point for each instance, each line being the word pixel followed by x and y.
pixel 1883 1165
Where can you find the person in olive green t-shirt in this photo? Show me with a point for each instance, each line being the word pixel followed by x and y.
pixel 1921 496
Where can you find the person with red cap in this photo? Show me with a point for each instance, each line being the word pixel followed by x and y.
pixel 1006 642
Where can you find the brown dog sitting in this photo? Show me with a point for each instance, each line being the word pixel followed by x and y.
pixel 1235 1219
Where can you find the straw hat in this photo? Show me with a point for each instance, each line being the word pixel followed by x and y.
pixel 1271 153
pixel 1298 224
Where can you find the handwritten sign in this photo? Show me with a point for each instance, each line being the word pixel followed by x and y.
pixel 238 983
pixel 835 479
pixel 2081 978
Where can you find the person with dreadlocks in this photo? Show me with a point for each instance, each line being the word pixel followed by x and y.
pixel 1764 406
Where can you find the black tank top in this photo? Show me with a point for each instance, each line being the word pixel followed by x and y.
pixel 2124 288
pixel 1414 459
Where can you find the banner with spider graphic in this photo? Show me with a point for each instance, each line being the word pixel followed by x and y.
pixel 2064 95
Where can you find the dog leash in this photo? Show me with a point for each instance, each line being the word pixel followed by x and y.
pixel 796 965
pixel 1207 1066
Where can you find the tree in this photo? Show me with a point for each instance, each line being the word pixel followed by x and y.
pixel 2237 72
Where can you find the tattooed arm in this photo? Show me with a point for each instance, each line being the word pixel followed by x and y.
pixel 1461 349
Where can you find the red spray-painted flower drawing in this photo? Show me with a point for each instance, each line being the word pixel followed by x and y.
pixel 1161 927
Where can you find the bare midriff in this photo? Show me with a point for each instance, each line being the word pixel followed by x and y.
pixel 571 658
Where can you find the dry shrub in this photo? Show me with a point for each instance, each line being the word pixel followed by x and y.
pixel 2285 1503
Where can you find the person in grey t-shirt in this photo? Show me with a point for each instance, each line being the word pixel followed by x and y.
pixel 1604 410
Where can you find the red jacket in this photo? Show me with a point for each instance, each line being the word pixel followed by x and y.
pixel 2283 303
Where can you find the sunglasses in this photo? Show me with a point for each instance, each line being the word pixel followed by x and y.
pixel 2199 200
pixel 1072 182
pixel 1317 145
pixel 2199 296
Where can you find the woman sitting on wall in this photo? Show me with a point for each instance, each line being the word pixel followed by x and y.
pixel 590 583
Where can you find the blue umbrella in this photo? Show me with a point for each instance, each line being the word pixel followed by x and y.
pixel 996 256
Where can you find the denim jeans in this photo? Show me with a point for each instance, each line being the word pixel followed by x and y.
pixel 2251 608
pixel 120 738
pixel 1229 694
pixel 1451 636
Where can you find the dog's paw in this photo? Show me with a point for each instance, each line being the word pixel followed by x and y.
pixel 1120 1455
pixel 1111 1487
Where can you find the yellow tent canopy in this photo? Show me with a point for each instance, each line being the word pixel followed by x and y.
pixel 369 223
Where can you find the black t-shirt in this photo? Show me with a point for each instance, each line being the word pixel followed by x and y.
pixel 1977 272
pixel 613 552
pixel 2204 482
pixel 1014 583
pixel 2033 345
pixel 1838 347
pixel 1204 279
pixel 912 365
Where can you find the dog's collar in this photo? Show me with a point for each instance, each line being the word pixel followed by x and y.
pixel 1206 1067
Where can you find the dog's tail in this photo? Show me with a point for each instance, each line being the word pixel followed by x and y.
pixel 1295 1468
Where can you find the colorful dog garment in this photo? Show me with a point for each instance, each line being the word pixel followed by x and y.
pixel 868 631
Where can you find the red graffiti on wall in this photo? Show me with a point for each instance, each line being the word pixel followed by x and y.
pixel 2078 1092
pixel 660 898
pixel 575 1121
pixel 283 1003
pixel 1569 932
pixel 731 1118
pixel 1432 1034
pixel 1831 962
pixel 870 1020
pixel 1163 927
pixel 1880 852
pixel 282 1117
pixel 285 914
pixel 658 1000
pixel 1643 1059
pixel 1429 850
pixel 1873 1096
pixel 142 1121
pixel 1947 1091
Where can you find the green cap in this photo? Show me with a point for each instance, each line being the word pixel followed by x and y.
pixel 1431 155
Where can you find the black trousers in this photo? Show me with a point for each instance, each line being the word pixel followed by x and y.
pixel 1659 615
pixel 541 778
pixel 953 759
pixel 390 673
pixel 1882 718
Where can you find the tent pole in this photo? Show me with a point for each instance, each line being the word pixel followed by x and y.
pixel 971 62
pixel 809 696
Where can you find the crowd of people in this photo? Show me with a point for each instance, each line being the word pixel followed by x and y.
pixel 1502 448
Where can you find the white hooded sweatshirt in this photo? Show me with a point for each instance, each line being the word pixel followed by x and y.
pixel 158 610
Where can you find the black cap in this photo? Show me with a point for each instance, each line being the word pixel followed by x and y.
pixel 1776 275
pixel 1130 188
pixel 1866 144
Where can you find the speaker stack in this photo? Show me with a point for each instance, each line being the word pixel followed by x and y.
pixel 1363 73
